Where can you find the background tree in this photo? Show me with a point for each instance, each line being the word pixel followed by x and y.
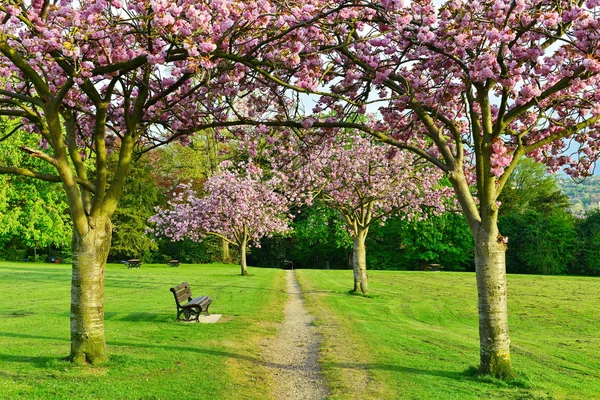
pixel 410 245
pixel 531 187
pixel 587 256
pixel 241 208
pixel 364 181
pixel 193 164
pixel 140 195
pixel 535 218
pixel 321 238
pixel 539 242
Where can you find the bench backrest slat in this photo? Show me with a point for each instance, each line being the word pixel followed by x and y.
pixel 182 292
pixel 184 295
pixel 179 287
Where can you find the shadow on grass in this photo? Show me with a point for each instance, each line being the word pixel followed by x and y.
pixel 36 361
pixel 138 317
pixel 43 362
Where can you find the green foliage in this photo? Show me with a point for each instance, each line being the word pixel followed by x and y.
pixel 174 164
pixel 274 252
pixel 587 261
pixel 530 187
pixel 321 239
pixel 187 251
pixel 534 216
pixel 33 213
pixel 140 196
pixel 539 243
pixel 320 224
pixel 584 196
pixel 410 245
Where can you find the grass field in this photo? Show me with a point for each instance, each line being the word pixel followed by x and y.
pixel 151 356
pixel 416 336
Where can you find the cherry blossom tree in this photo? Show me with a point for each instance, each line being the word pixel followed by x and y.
pixel 91 77
pixel 471 87
pixel 241 208
pixel 363 180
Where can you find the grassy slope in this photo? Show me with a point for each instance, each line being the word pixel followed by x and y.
pixel 151 356
pixel 416 337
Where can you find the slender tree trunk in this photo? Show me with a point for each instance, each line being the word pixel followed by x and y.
pixel 243 257
pixel 359 262
pixel 90 252
pixel 225 255
pixel 490 266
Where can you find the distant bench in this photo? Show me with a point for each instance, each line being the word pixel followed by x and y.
pixel 433 267
pixel 134 263
pixel 193 307
pixel 173 263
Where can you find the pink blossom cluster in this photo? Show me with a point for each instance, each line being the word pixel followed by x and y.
pixel 183 62
pixel 364 180
pixel 524 73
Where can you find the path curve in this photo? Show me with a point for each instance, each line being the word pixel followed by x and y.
pixel 292 355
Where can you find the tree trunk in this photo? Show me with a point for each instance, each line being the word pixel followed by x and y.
pixel 359 262
pixel 225 255
pixel 90 252
pixel 243 258
pixel 490 271
pixel 490 266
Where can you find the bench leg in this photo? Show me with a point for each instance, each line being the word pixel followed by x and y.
pixel 191 313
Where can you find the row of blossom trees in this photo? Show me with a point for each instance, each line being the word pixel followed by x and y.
pixel 468 86
pixel 363 180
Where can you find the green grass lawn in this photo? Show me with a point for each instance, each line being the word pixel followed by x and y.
pixel 151 356
pixel 416 336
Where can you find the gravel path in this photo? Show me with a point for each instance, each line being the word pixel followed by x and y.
pixel 292 355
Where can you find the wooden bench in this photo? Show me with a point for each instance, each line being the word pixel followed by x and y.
pixel 173 263
pixel 134 263
pixel 193 307
pixel 433 267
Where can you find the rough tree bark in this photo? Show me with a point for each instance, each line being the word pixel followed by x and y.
pixel 490 267
pixel 243 257
pixel 243 244
pixel 90 252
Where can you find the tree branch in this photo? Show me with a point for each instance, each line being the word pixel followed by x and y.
pixel 43 176
pixel 38 154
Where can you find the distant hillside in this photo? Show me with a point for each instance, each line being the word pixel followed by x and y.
pixel 584 196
